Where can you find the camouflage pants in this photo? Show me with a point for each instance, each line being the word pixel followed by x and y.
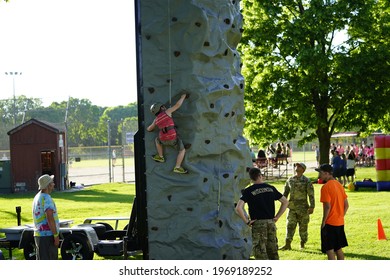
pixel 294 218
pixel 264 239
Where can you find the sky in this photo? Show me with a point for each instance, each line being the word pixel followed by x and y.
pixel 68 48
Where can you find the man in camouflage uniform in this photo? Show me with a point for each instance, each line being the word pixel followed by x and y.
pixel 299 187
pixel 260 198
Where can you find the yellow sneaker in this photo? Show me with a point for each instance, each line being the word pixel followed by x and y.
pixel 158 158
pixel 180 170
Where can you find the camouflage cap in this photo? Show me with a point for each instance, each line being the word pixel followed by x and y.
pixel 301 164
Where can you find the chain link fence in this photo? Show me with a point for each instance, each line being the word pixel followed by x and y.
pixel 97 165
pixel 105 164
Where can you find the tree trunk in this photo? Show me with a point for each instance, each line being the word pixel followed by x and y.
pixel 324 141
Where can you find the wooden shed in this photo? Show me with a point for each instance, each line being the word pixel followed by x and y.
pixel 36 148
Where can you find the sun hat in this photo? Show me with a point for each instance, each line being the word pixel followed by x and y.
pixel 44 181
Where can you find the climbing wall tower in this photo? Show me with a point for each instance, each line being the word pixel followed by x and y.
pixel 191 45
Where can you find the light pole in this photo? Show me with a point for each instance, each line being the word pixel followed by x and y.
pixel 123 151
pixel 13 74
pixel 109 149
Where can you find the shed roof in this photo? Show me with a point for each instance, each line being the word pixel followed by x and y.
pixel 55 127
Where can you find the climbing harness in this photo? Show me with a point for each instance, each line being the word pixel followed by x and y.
pixel 167 128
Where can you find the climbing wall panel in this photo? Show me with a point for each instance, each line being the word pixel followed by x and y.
pixel 191 45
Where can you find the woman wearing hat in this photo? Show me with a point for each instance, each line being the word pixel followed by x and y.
pixel 46 221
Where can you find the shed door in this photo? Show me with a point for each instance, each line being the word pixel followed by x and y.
pixel 47 162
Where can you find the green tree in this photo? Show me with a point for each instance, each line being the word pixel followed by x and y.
pixel 55 113
pixel 130 124
pixel 13 112
pixel 116 115
pixel 80 117
pixel 302 79
pixel 82 122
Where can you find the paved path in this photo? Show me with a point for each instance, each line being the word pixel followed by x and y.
pixel 99 175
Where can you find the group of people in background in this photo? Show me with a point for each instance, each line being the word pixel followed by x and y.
pixel 345 160
pixel 273 153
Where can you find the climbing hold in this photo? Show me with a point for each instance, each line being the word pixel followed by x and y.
pixel 187 146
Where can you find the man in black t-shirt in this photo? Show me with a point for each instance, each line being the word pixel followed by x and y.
pixel 261 203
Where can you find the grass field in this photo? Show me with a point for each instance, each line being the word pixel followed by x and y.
pixel 113 199
pixel 366 206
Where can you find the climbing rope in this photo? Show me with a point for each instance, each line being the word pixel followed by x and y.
pixel 169 53
pixel 220 163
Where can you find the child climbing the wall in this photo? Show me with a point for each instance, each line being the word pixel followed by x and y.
pixel 167 134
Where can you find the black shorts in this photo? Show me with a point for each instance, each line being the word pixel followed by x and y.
pixel 350 172
pixel 333 238
pixel 337 173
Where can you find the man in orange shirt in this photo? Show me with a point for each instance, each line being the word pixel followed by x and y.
pixel 335 206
